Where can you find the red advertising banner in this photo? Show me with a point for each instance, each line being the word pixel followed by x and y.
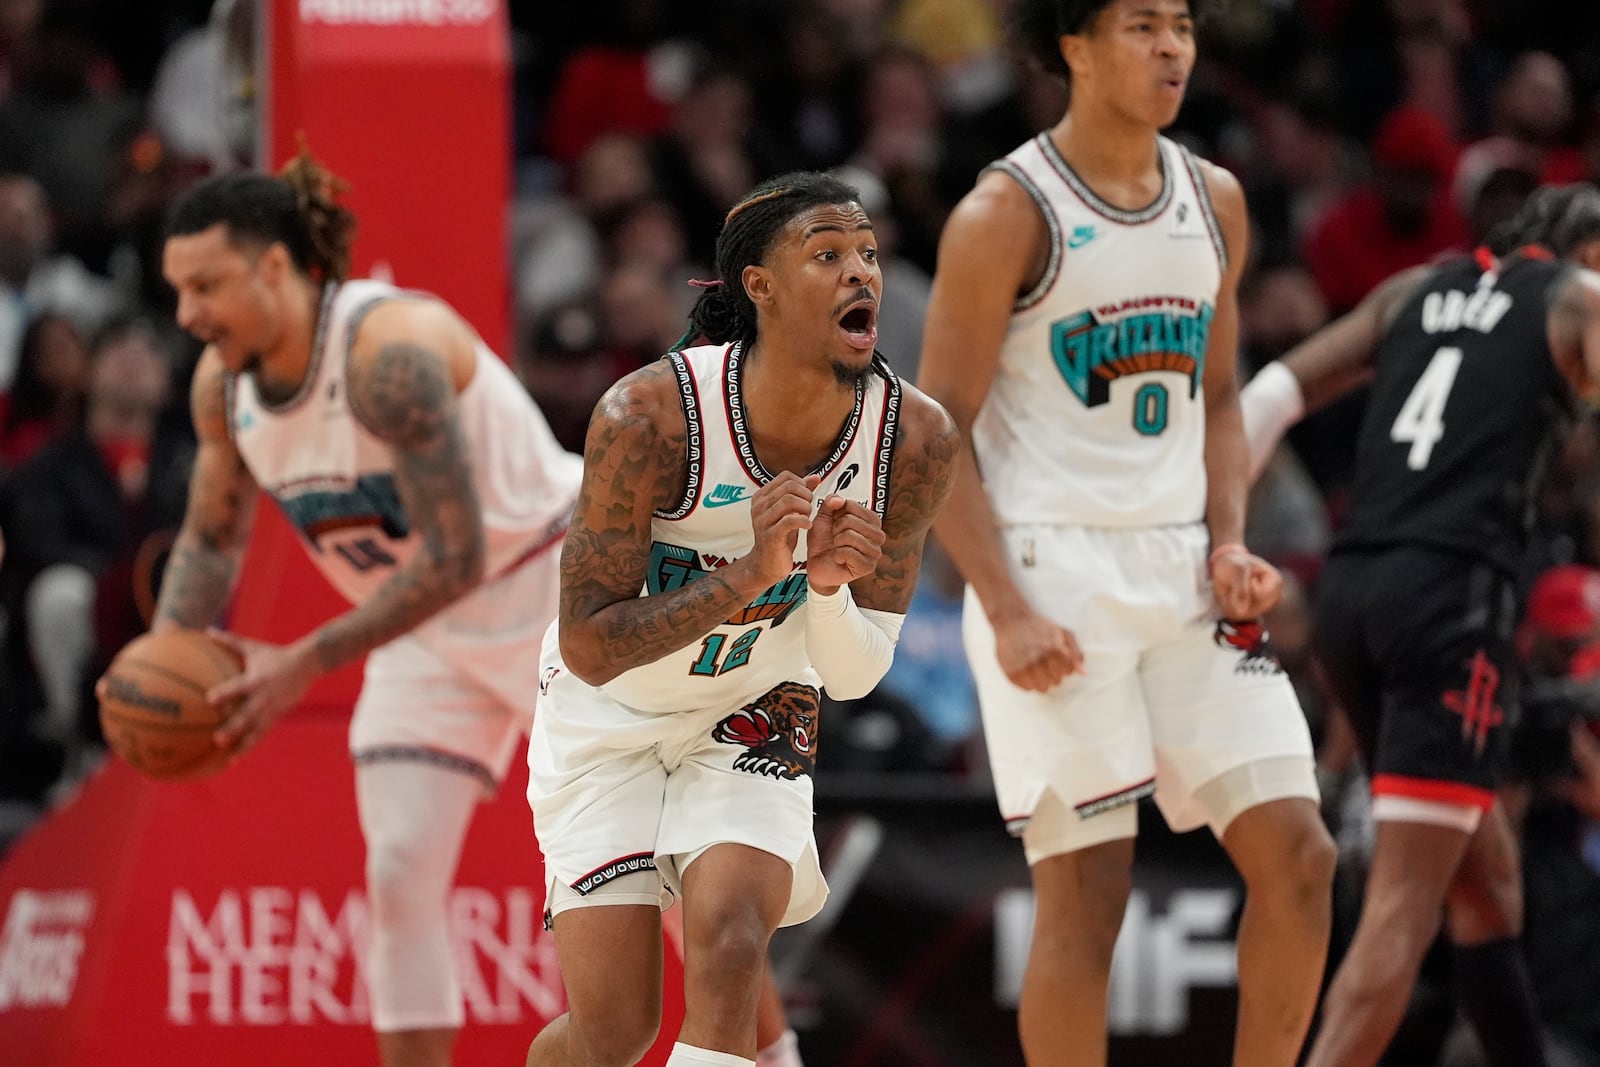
pixel 223 921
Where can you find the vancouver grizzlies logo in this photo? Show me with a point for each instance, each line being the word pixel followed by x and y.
pixel 327 505
pixel 1157 333
pixel 674 566
pixel 778 732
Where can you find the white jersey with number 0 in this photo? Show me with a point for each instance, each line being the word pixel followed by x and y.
pixel 1096 416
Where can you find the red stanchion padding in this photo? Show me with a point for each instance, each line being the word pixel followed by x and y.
pixel 410 105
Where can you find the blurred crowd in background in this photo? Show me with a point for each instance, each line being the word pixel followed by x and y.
pixel 1370 135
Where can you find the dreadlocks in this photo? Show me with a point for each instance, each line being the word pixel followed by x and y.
pixel 1557 217
pixel 299 209
pixel 724 311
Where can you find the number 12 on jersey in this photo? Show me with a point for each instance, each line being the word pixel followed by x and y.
pixel 707 665
pixel 1421 420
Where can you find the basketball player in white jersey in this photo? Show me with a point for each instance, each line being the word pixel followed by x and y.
pixel 1082 333
pixel 425 485
pixel 748 533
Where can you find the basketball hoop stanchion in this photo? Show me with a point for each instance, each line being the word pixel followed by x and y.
pixel 220 921
pixel 409 104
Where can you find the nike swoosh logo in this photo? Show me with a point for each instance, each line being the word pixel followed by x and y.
pixel 719 501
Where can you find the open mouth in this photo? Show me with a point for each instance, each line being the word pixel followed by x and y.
pixel 860 325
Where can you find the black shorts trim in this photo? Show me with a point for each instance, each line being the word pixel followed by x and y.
pixel 432 756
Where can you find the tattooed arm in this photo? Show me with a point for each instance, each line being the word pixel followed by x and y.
pixel 204 563
pixel 920 483
pixel 634 463
pixel 409 361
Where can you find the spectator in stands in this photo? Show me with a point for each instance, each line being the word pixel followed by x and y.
pixel 78 511
pixel 1532 128
pixel 33 279
pixel 1562 617
pixel 705 161
pixel 46 397
pixel 1404 216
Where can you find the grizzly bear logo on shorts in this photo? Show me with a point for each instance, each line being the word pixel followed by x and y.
pixel 778 731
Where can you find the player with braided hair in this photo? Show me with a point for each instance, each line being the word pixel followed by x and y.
pixel 748 533
pixel 425 485
pixel 1477 365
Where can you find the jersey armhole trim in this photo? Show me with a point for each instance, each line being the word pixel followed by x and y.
pixel 1052 267
pixel 1202 193
pixel 888 430
pixel 693 437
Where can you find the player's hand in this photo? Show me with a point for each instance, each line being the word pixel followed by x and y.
pixel 274 679
pixel 1035 652
pixel 1245 585
pixel 779 510
pixel 844 543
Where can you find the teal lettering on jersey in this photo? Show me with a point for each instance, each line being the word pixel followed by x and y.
pixel 1090 354
pixel 674 566
pixel 671 567
pixel 776 603
pixel 373 500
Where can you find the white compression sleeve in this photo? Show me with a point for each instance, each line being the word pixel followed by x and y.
pixel 1271 402
pixel 850 647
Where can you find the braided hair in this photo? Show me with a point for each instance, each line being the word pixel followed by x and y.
pixel 1038 26
pixel 299 209
pixel 725 311
pixel 1557 217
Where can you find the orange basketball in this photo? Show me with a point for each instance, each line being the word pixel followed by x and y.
pixel 153 708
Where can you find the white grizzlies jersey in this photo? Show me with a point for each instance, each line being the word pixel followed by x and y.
pixel 764 642
pixel 335 480
pixel 1096 416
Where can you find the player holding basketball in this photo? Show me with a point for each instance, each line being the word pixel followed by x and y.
pixel 1476 365
pixel 749 529
pixel 1082 332
pixel 425 485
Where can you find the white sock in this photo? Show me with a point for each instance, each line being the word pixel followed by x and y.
pixel 689 1056
pixel 784 1052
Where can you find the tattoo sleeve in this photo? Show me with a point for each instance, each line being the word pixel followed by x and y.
pixel 921 482
pixel 405 396
pixel 204 563
pixel 631 467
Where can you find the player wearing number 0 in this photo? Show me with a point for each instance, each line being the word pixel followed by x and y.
pixel 1082 330
pixel 1476 365
pixel 748 533
pixel 428 489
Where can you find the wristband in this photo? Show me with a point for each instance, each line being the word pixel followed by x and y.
pixel 1269 404
pixel 1221 550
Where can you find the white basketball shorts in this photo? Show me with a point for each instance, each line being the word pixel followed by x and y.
pixel 1170 697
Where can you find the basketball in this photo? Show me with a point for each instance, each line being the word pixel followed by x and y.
pixel 153 708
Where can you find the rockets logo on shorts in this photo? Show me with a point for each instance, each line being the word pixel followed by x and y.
pixel 778 732
pixel 1251 639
